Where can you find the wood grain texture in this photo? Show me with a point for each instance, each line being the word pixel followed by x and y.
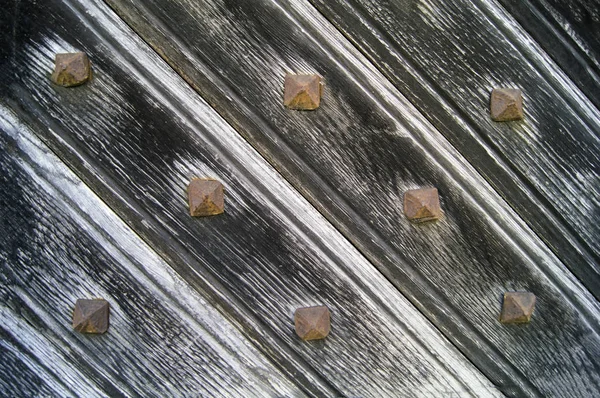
pixel 137 133
pixel 60 242
pixel 580 19
pixel 367 144
pixel 569 32
pixel 547 166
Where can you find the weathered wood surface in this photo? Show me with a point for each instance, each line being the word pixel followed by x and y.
pixel 136 134
pixel 568 31
pixel 60 242
pixel 446 57
pixel 579 19
pixel 356 155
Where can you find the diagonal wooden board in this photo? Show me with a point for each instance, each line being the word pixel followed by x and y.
pixel 60 242
pixel 569 32
pixel 135 135
pixel 355 156
pixel 446 57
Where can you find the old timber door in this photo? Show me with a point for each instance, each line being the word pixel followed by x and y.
pixel 345 155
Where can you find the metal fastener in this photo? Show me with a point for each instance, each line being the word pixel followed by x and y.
pixel 517 307
pixel 71 69
pixel 312 323
pixel 422 205
pixel 302 92
pixel 205 197
pixel 91 316
pixel 506 104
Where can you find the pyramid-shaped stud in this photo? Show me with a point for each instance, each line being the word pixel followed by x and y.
pixel 422 205
pixel 205 197
pixel 506 104
pixel 302 92
pixel 71 69
pixel 312 323
pixel 91 316
pixel 517 307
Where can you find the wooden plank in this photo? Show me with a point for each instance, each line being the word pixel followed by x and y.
pixel 567 31
pixel 547 166
pixel 356 155
pixel 61 243
pixel 580 19
pixel 21 376
pixel 137 133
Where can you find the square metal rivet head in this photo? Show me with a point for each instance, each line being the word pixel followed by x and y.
pixel 422 205
pixel 506 104
pixel 312 323
pixel 91 316
pixel 205 197
pixel 517 307
pixel 71 69
pixel 302 92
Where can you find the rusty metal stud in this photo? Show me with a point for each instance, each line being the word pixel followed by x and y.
pixel 422 205
pixel 206 197
pixel 312 323
pixel 506 104
pixel 517 307
pixel 71 69
pixel 91 316
pixel 302 92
